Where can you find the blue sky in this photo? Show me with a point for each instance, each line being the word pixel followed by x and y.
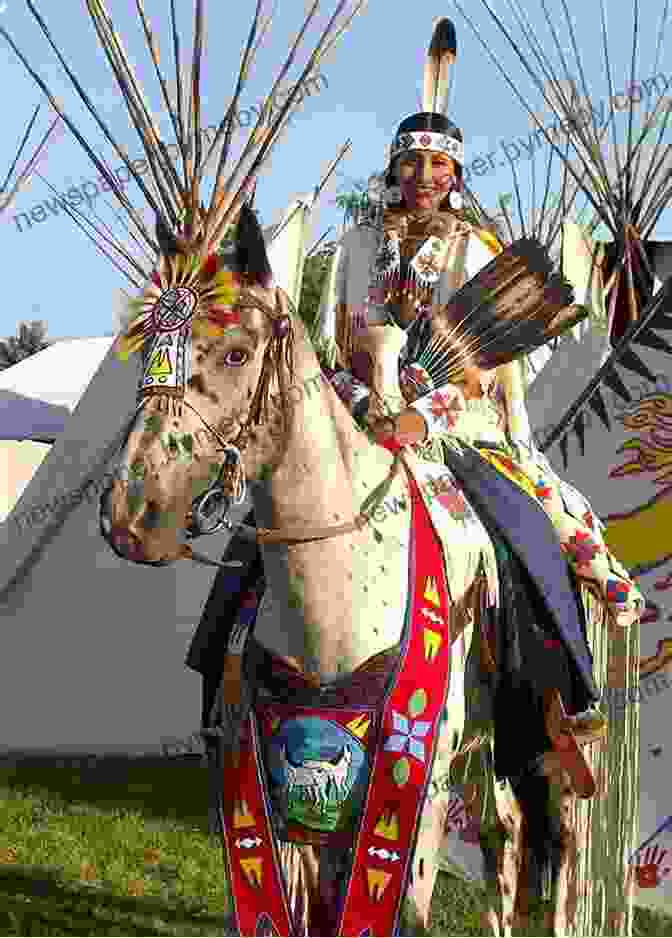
pixel 52 272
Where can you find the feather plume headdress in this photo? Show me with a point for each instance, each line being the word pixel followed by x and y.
pixel 431 129
pixel 440 57
pixel 205 290
pixel 177 265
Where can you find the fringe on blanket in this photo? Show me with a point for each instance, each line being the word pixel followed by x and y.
pixel 608 824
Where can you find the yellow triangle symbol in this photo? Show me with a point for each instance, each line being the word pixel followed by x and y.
pixel 241 814
pixel 431 594
pixel 378 881
pixel 160 365
pixel 359 726
pixel 388 825
pixel 251 867
pixel 432 644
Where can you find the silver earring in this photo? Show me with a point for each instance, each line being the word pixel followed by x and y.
pixel 455 200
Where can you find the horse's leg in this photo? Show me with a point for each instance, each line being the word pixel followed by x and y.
pixel 478 790
pixel 565 886
pixel 300 870
pixel 562 911
pixel 425 866
pixel 521 912
pixel 509 854
pixel 491 844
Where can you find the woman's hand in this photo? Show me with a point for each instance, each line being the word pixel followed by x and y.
pixel 383 345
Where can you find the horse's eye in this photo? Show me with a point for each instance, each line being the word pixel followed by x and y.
pixel 236 357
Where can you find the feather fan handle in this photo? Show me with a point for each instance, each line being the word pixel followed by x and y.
pixel 440 59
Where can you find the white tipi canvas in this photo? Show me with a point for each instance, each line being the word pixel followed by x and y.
pixel 93 647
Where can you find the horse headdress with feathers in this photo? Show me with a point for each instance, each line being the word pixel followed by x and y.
pixel 187 286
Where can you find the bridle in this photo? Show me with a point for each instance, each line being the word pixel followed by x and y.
pixel 229 489
pixel 209 510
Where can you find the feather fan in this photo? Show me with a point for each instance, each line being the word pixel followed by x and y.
pixel 514 305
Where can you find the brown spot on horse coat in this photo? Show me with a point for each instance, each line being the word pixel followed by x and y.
pixel 197 382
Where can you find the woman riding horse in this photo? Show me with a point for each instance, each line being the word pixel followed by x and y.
pixel 388 289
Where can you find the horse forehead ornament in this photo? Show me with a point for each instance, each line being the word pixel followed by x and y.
pixel 189 299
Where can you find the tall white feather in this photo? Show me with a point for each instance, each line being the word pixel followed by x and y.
pixel 437 72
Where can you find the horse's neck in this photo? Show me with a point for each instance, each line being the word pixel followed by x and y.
pixel 328 460
pixel 327 470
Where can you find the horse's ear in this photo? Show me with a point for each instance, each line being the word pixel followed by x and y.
pixel 167 241
pixel 251 256
pixel 281 302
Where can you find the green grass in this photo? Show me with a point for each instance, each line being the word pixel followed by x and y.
pixel 121 847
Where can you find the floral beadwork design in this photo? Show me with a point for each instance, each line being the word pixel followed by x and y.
pixel 582 547
pixel 618 591
pixel 445 408
pixel 588 520
pixel 415 381
pixel 455 503
pixel 408 736
pixel 429 261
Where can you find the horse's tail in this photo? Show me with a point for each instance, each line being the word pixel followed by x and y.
pixel 542 830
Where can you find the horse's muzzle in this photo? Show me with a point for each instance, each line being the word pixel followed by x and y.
pixel 124 544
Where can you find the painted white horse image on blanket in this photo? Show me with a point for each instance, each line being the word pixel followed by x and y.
pixel 316 775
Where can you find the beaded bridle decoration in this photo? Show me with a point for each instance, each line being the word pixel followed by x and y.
pixel 185 301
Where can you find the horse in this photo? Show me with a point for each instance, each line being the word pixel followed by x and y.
pixel 336 561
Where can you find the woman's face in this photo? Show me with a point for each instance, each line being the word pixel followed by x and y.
pixel 425 178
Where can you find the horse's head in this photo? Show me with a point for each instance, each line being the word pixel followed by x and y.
pixel 216 342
